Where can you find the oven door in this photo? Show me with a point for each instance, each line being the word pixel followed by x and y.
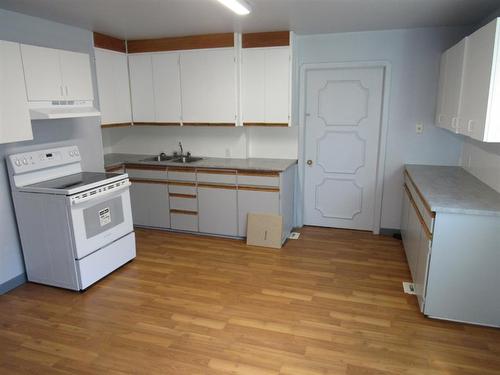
pixel 101 220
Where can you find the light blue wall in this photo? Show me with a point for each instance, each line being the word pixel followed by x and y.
pixel 85 133
pixel 414 56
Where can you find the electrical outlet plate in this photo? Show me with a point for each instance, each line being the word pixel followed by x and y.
pixel 294 236
pixel 409 288
pixel 419 128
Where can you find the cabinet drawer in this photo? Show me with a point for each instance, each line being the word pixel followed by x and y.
pixel 184 220
pixel 182 203
pixel 217 176
pixel 182 175
pixel 263 179
pixel 425 212
pixel 147 173
pixel 179 188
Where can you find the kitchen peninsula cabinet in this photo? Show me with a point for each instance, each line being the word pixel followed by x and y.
pixel 450 233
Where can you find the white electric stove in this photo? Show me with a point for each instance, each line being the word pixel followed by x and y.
pixel 75 226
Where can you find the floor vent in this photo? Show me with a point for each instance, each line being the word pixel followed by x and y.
pixel 409 288
pixel 294 236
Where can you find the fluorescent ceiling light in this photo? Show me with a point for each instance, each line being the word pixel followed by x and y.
pixel 240 7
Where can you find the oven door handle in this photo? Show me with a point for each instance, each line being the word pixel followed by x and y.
pixel 106 193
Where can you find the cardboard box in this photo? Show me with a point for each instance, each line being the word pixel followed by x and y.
pixel 264 230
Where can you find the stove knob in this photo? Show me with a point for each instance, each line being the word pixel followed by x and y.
pixel 18 162
pixel 77 153
pixel 25 161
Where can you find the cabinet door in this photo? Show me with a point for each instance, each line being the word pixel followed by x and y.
pixel 453 86
pixel 440 115
pixel 76 75
pixel 265 84
pixel 217 211
pixel 141 87
pixel 255 201
pixel 253 85
pixel 15 124
pixel 404 216
pixel 42 73
pixel 477 80
pixel 208 86
pixel 150 206
pixel 113 86
pixel 167 87
pixel 412 245
pixel 420 279
pixel 277 93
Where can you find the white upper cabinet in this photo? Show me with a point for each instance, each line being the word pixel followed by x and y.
pixel 76 76
pixel 15 124
pixel 450 87
pixel 265 85
pixel 480 110
pixel 141 86
pixel 113 86
pixel 208 86
pixel 53 74
pixel 155 87
pixel 469 95
pixel 167 87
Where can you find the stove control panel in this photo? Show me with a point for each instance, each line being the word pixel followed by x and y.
pixel 35 160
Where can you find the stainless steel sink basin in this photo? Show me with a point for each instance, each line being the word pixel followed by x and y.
pixel 161 157
pixel 186 159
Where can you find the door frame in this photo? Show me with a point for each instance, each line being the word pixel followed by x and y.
pixel 384 126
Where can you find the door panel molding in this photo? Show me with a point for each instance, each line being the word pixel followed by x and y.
pixel 384 124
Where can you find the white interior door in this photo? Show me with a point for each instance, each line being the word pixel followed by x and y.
pixel 342 131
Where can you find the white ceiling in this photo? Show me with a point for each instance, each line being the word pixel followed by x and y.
pixel 134 19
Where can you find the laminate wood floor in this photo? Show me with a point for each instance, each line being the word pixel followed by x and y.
pixel 328 303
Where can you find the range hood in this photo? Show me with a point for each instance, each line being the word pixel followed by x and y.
pixel 62 109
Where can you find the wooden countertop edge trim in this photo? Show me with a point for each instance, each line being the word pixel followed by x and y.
pixel 259 188
pixel 230 172
pixel 215 124
pixel 426 204
pixel 116 125
pixel 114 168
pixel 217 186
pixel 141 123
pixel 186 196
pixel 246 172
pixel 146 167
pixel 149 181
pixel 419 215
pixel 183 183
pixel 268 124
pixel 183 212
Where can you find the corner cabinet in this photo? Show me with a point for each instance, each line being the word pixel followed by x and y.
pixel 265 85
pixel 113 87
pixel 469 89
pixel 53 74
pixel 208 86
pixel 15 124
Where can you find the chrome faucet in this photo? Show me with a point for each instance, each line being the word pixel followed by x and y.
pixel 182 150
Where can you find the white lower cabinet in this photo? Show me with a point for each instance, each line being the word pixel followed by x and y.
pixel 150 204
pixel 256 201
pixel 217 210
pixel 416 245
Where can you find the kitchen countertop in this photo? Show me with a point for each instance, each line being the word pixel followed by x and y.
pixel 454 190
pixel 254 164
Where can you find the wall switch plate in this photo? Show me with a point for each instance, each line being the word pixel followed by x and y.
pixel 419 128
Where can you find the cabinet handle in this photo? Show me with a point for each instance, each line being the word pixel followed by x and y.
pixel 440 119
pixel 61 88
pixel 470 126
pixel 66 90
pixel 457 125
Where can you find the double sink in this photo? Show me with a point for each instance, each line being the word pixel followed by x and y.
pixel 181 159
